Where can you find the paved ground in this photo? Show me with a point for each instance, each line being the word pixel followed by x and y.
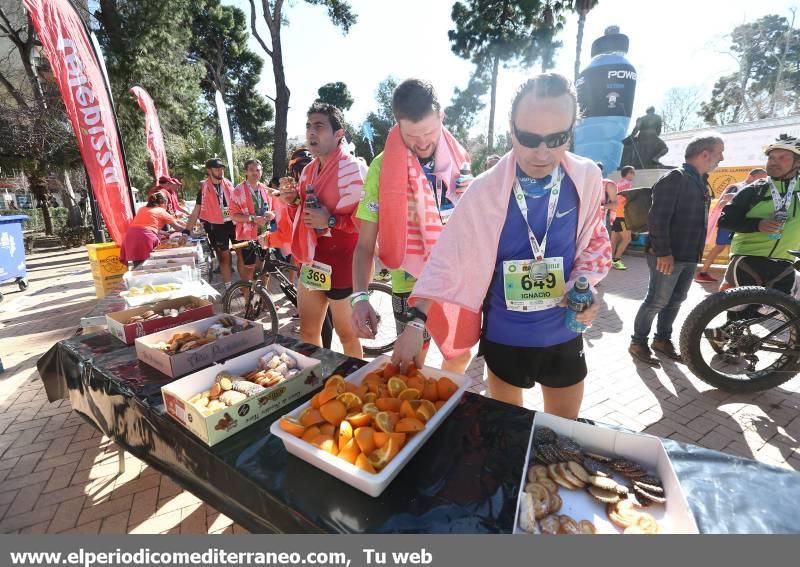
pixel 58 475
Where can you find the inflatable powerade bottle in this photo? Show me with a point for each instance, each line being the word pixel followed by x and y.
pixel 605 97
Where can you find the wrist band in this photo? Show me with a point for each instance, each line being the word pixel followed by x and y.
pixel 359 296
pixel 416 325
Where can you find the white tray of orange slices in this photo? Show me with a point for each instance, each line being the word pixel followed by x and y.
pixel 363 429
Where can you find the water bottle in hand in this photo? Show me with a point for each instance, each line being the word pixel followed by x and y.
pixel 464 176
pixel 780 216
pixel 578 299
pixel 313 203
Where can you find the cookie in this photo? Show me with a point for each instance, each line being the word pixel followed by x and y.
pixel 555 474
pixel 568 526
pixel 595 467
pixel 536 472
pixel 225 383
pixel 605 496
pixel 623 514
pixel 568 449
pixel 622 465
pixel 544 435
pixel 598 457
pixel 566 474
pixel 635 473
pixel 651 488
pixel 550 525
pixel 651 480
pixel 647 524
pixel 546 453
pixel 555 503
pixel 578 471
pixel 587 527
pixel 603 482
pixel 551 486
pixel 641 493
pixel 215 391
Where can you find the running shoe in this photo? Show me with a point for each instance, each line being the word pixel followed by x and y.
pixel 704 277
pixel 618 265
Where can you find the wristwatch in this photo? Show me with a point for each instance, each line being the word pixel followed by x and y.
pixel 331 221
pixel 252 218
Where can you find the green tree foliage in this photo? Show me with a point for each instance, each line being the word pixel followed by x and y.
pixel 491 32
pixel 340 14
pixel 767 84
pixel 582 7
pixel 219 43
pixel 336 94
pixel 465 105
pixel 146 42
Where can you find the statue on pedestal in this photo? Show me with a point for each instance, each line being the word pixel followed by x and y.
pixel 643 148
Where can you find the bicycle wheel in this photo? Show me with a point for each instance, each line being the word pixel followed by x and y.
pixel 743 340
pixel 256 305
pixel 380 298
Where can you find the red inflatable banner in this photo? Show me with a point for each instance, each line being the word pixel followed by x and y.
pixel 152 129
pixel 77 72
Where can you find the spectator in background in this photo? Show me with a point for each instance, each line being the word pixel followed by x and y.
pixel 620 235
pixel 82 201
pixel 492 160
pixel 723 237
pixel 677 223
pixel 13 205
pixel 52 202
pixel 609 198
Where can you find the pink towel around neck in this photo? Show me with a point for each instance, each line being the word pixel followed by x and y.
pixel 459 271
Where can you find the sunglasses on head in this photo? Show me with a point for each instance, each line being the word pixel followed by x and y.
pixel 552 141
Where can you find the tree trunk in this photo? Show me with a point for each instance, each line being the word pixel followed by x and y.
pixel 279 159
pixel 492 104
pixel 68 196
pixel 579 44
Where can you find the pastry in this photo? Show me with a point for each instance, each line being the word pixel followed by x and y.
pixel 230 398
pixel 623 514
pixel 215 391
pixel 541 500
pixel 603 482
pixel 536 472
pixel 550 525
pixel 551 486
pixel 568 526
pixel 587 527
pixel 605 496
pixel 527 518
pixel 555 503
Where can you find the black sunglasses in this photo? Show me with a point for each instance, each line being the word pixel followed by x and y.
pixel 552 141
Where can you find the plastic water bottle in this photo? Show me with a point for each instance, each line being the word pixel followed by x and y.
pixel 464 174
pixel 606 88
pixel 313 203
pixel 578 299
pixel 781 217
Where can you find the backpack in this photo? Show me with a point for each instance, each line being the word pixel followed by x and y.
pixel 637 208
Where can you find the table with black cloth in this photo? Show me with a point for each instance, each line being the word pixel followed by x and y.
pixel 465 479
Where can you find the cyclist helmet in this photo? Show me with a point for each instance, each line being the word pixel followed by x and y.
pixel 784 142
pixel 300 158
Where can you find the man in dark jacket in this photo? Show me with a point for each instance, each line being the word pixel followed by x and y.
pixel 677 227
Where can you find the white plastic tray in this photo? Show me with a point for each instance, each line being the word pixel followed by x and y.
pixel 372 484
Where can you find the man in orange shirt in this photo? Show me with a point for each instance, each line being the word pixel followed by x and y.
pixel 620 235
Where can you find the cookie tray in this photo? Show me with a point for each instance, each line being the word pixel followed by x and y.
pixel 372 484
pixel 673 517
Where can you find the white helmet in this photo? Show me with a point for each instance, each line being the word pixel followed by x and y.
pixel 784 142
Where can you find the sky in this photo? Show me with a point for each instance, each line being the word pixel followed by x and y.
pixel 681 43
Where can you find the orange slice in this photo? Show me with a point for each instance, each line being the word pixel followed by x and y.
pixel 396 385
pixel 370 408
pixel 311 416
pixel 345 433
pixel 292 426
pixel 381 438
pixel 438 404
pixel 363 463
pixel 327 395
pixel 336 380
pixel 390 370
pixel 379 458
pixel 315 401
pixel 429 391
pixel 365 438
pixel 327 429
pixel 388 404
pixel 350 400
pixel 425 410
pixel 409 408
pixel 445 388
pixel 369 397
pixel 416 382
pixel 409 394
pixel 333 412
pixel 359 419
pixel 326 443
pixel 386 420
pixel 311 433
pixel 349 451
pixel 409 425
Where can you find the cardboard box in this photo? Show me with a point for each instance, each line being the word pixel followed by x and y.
pixel 646 450
pixel 372 484
pixel 141 278
pixel 169 262
pixel 183 363
pixel 195 251
pixel 129 332
pixel 224 423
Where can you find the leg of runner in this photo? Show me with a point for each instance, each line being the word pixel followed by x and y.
pixel 343 325
pixel 563 402
pixel 503 391
pixel 224 259
pixel 312 306
pixel 457 364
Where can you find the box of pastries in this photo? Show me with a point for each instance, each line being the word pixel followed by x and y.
pixel 131 324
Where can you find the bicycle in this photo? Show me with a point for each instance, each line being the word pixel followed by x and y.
pixel 745 339
pixel 250 299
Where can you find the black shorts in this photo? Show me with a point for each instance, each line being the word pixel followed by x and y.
pixel 220 236
pixel 619 225
pixel 337 294
pixel 558 366
pixel 248 254
pixel 400 309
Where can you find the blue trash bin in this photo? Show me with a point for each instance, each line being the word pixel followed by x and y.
pixel 12 251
